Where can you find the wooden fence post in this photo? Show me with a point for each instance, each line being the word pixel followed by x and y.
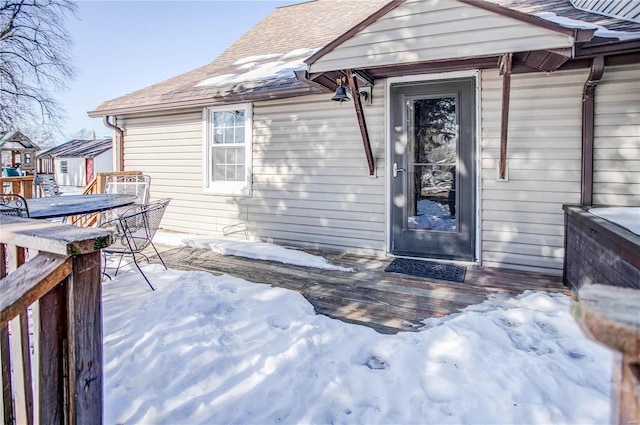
pixel 84 340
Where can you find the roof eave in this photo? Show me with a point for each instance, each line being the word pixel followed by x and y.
pixel 576 33
pixel 608 47
pixel 202 102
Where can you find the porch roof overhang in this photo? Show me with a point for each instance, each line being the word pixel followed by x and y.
pixel 523 62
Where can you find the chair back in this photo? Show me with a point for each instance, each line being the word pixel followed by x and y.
pixel 137 226
pixel 13 204
pixel 129 184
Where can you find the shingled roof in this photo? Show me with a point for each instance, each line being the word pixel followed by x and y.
pixel 566 9
pixel 259 65
pixel 78 148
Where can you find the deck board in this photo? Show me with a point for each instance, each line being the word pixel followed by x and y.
pixel 369 296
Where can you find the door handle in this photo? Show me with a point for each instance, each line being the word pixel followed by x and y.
pixel 397 170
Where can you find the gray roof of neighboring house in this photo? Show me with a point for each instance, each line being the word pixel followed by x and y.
pixel 78 148
pixel 261 64
pixel 18 137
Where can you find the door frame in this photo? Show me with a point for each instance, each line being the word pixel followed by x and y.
pixel 478 151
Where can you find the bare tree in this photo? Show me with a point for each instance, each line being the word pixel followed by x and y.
pixel 34 61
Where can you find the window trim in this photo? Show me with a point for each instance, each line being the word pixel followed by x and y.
pixel 236 188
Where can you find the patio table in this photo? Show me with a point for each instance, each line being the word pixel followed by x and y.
pixel 64 206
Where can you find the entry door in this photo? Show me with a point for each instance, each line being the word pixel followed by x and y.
pixel 89 170
pixel 433 169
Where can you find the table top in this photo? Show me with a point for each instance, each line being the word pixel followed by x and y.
pixel 64 206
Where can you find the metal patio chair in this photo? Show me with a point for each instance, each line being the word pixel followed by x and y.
pixel 13 204
pixel 135 229
pixel 128 184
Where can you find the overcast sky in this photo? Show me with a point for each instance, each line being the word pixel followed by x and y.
pixel 123 46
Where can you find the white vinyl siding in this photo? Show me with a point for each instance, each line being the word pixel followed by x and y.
pixel 617 138
pixel 169 149
pixel 522 218
pixel 311 184
pixel 420 30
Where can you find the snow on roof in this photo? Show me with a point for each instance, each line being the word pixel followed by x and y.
pixel 262 68
pixel 600 30
pixel 627 217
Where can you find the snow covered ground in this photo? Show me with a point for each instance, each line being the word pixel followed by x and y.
pixel 218 349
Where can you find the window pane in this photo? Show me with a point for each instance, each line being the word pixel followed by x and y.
pixel 240 156
pixel 222 119
pixel 239 117
pixel 219 173
pixel 231 172
pixel 231 156
pixel 219 156
pixel 240 134
pixel 240 172
pixel 218 136
pixel 228 135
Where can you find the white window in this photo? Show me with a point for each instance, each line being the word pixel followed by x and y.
pixel 227 150
pixel 63 167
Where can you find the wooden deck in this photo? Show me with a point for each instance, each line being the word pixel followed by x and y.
pixel 386 302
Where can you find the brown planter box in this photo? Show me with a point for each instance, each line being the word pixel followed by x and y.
pixel 598 251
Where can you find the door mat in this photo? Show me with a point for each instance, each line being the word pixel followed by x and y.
pixel 428 269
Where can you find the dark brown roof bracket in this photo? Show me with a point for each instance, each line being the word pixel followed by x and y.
pixel 505 70
pixel 303 76
pixel 588 112
pixel 353 85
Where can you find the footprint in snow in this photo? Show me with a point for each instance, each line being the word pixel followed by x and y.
pixel 377 363
pixel 278 322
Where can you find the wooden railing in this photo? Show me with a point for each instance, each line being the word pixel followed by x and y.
pixel 19 185
pixel 51 370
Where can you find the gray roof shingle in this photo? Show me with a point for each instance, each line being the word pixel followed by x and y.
pixel 309 26
pixel 78 148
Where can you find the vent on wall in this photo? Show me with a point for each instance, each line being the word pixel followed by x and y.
pixel 628 10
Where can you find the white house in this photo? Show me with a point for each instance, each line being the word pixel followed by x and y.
pixel 76 162
pixel 475 122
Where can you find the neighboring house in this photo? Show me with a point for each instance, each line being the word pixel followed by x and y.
pixel 481 120
pixel 76 162
pixel 18 152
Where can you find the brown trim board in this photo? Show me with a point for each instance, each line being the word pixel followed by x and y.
pixel 353 85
